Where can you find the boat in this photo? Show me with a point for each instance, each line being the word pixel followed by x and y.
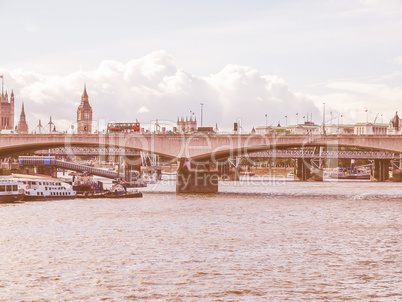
pixel 10 191
pixel 247 173
pixel 116 191
pixel 134 180
pixel 150 176
pixel 84 184
pixel 42 189
pixel 340 173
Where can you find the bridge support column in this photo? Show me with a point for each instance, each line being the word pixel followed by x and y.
pixel 305 171
pixel 302 169
pixel 196 178
pixel 380 171
pixel 226 172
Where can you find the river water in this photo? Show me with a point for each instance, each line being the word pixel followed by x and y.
pixel 271 240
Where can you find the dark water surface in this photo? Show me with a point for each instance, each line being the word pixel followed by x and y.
pixel 258 241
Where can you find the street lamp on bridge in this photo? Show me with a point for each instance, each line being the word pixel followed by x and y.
pixel 202 104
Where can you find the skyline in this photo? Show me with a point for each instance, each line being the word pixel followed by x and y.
pixel 160 61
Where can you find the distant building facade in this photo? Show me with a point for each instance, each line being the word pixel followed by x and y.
pixel 84 114
pixel 22 124
pixel 6 110
pixel 395 125
pixel 186 126
pixel 370 129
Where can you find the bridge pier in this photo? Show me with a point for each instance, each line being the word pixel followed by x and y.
pixel 226 172
pixel 305 171
pixel 196 178
pixel 380 171
pixel 302 169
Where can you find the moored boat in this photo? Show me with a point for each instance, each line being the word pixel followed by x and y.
pixel 43 189
pixel 10 191
pixel 247 173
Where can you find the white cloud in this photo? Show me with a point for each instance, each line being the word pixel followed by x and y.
pixel 152 87
pixel 352 98
pixel 143 109
pixel 398 60
pixel 31 27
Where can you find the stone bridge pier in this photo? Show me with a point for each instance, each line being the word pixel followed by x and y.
pixel 305 170
pixel 380 171
pixel 193 177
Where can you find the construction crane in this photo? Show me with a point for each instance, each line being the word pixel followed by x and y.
pixel 376 118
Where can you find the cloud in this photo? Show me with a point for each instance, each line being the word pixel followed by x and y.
pixel 352 98
pixel 151 88
pixel 398 60
pixel 143 109
pixel 31 27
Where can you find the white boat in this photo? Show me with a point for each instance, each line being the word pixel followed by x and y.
pixel 41 189
pixel 291 174
pixel 150 176
pixel 10 191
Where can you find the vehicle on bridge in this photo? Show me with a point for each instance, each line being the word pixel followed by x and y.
pixel 123 127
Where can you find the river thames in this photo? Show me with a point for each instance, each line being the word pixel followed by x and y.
pixel 253 241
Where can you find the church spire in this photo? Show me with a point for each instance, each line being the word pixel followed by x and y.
pixel 84 94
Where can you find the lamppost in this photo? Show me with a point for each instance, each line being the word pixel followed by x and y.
pixel 266 120
pixel 323 120
pixel 297 119
pixel 202 104
pixel 286 118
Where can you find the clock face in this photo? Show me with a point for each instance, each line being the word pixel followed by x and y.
pixel 79 115
pixel 87 116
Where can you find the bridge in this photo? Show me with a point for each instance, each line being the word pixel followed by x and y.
pixel 195 146
pixel 48 161
pixel 199 154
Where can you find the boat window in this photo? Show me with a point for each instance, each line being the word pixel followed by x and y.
pixel 2 188
pixel 8 187
pixel 15 187
pixel 45 188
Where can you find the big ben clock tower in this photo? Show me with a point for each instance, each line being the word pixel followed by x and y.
pixel 84 115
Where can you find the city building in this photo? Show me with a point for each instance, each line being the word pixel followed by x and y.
pixel 395 125
pixel 370 129
pixel 6 109
pixel 84 115
pixel 22 124
pixel 187 126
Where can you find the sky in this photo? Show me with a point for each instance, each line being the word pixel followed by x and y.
pixel 254 62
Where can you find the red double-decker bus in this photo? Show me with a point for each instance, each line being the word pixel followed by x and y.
pixel 123 127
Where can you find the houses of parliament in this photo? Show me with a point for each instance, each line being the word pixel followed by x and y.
pixel 84 116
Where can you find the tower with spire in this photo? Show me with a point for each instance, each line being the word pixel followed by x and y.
pixel 6 109
pixel 84 114
pixel 22 124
